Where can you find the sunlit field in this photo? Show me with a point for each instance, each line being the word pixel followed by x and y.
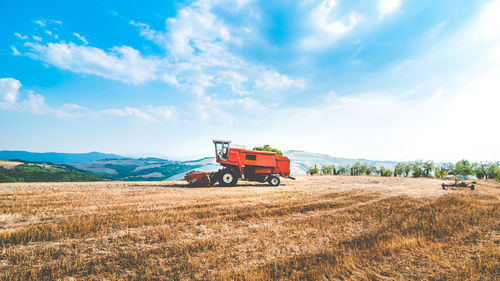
pixel 315 228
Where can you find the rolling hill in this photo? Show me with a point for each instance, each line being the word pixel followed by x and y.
pixel 11 171
pixel 143 169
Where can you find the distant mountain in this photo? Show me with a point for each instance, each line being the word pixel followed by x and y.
pixel 142 169
pixel 55 157
pixel 306 159
pixel 302 160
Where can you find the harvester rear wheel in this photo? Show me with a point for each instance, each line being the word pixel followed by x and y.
pixel 228 178
pixel 273 180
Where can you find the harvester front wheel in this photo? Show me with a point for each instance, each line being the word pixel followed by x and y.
pixel 228 178
pixel 273 181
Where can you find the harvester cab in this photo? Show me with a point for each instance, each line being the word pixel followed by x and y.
pixel 221 149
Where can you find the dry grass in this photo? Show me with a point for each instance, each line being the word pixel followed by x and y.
pixel 316 228
pixel 9 164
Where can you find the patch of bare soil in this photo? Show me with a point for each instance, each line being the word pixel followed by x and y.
pixel 9 164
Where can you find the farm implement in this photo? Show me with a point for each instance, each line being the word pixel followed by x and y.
pixel 459 184
pixel 239 163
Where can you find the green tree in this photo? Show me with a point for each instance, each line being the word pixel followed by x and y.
pixel 381 171
pixel 441 171
pixel 481 170
pixel 496 173
pixel 343 170
pixel 427 168
pixel 364 169
pixel 267 147
pixel 450 168
pixel 356 169
pixel 328 169
pixel 372 170
pixel 407 168
pixel 491 171
pixel 463 168
pixel 385 172
pixel 313 170
pixel 399 170
pixel 417 169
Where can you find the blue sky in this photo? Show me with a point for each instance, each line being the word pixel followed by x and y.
pixel 380 79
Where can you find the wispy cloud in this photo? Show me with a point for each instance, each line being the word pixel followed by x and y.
pixel 273 80
pixel 119 63
pixel 15 52
pixel 386 7
pixel 325 28
pixel 41 22
pixel 149 113
pixel 77 35
pixel 22 37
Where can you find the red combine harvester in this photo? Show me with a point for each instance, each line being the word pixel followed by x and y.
pixel 239 163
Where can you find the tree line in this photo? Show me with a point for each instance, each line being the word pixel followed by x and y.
pixel 414 169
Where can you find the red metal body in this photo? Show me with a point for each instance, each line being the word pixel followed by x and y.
pixel 251 162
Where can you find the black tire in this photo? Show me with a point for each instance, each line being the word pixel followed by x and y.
pixel 273 180
pixel 228 178
pixel 472 187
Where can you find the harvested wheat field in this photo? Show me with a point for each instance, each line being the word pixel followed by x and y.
pixel 315 228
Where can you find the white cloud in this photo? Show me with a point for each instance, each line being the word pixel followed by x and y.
pixel 48 32
pixel 326 29
pixel 35 103
pixel 37 38
pixel 149 113
pixel 22 37
pixel 56 21
pixel 68 111
pixel 130 111
pixel 386 7
pixel 162 113
pixel 85 42
pixel 15 52
pixel 274 80
pixel 169 79
pixel 9 90
pixel 41 22
pixel 13 99
pixel 119 63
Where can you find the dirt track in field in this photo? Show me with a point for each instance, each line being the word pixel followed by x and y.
pixel 323 227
